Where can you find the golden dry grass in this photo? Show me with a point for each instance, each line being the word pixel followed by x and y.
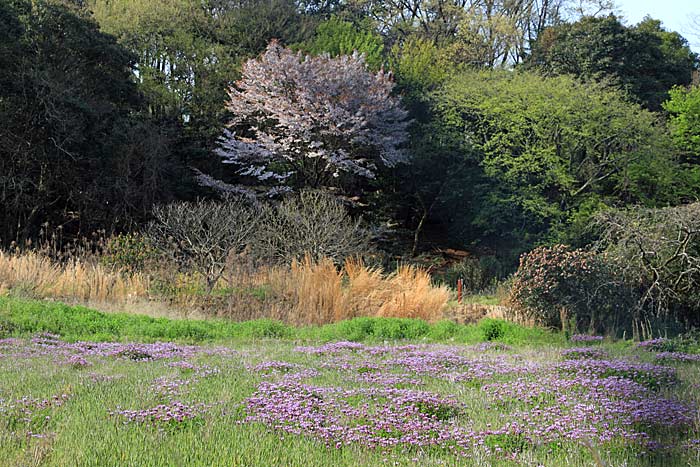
pixel 411 294
pixel 318 292
pixel 307 292
pixel 365 288
pixel 37 276
pixel 312 291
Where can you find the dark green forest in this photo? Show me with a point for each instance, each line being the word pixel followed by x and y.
pixel 524 119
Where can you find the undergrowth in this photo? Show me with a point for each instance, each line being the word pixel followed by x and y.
pixel 302 293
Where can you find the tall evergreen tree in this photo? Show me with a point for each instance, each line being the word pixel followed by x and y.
pixel 645 60
pixel 73 149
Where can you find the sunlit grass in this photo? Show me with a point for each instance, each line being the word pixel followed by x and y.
pixel 460 380
pixel 83 432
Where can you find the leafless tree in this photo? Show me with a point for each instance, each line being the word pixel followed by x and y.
pixel 489 33
pixel 660 250
pixel 580 8
pixel 694 27
pixel 201 235
pixel 312 223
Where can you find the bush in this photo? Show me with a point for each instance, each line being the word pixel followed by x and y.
pixel 492 329
pixel 130 252
pixel 7 327
pixel 314 225
pixel 365 328
pixel 401 328
pixel 559 287
pixel 660 251
pixel 444 330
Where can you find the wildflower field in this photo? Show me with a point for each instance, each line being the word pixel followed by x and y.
pixel 301 401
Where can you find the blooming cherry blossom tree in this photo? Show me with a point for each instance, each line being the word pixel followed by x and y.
pixel 303 121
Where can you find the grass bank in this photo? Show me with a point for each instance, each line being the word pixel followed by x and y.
pixel 20 317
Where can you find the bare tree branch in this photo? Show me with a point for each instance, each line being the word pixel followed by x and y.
pixel 660 250
pixel 202 235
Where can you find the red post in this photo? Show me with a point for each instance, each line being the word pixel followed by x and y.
pixel 459 290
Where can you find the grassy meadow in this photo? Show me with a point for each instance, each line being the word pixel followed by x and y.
pixel 81 387
pixel 273 233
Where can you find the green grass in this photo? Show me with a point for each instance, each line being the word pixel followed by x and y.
pixel 25 317
pixel 20 317
pixel 82 433
pixel 482 299
pixel 85 435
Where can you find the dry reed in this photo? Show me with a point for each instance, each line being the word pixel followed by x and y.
pixel 412 295
pixel 34 275
pixel 307 292
pixel 312 291
pixel 317 292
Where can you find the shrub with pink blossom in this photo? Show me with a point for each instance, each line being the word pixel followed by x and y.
pixel 561 287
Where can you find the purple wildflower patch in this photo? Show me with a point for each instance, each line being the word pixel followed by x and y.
pixel 411 399
pixel 678 357
pixel 30 415
pixel 588 398
pixel 272 367
pixel 370 417
pixel 654 344
pixel 77 361
pixel 585 338
pixel 583 352
pixel 650 375
pixel 173 413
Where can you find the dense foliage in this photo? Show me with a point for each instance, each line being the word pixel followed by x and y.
pixel 337 37
pixel 684 108
pixel 549 151
pixel 645 60
pixel 514 123
pixel 572 289
pixel 76 149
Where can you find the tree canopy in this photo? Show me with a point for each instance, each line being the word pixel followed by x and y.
pixel 304 121
pixel 551 148
pixel 488 125
pixel 73 149
pixel 684 109
pixel 645 60
pixel 338 37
